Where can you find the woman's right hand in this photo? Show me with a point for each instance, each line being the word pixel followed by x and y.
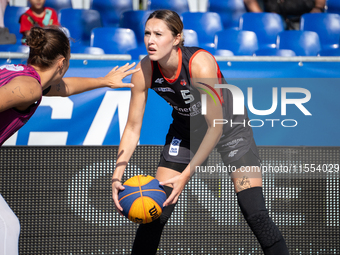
pixel 116 187
pixel 114 79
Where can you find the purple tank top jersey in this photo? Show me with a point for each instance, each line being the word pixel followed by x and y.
pixel 12 120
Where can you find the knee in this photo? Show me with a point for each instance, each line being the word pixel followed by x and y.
pixel 264 229
pixel 251 201
pixel 253 207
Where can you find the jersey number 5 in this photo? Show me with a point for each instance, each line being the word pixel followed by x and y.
pixel 186 95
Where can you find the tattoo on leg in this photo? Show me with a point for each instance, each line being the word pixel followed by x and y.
pixel 243 183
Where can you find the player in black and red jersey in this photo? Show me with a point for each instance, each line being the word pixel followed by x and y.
pixel 182 76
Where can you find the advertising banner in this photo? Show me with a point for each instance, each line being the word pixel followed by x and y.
pixel 288 104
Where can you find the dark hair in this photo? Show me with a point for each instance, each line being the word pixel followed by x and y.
pixel 46 45
pixel 172 20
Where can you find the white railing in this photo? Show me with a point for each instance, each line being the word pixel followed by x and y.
pixel 299 59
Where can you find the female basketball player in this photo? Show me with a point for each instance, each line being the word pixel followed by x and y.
pixel 21 90
pixel 181 75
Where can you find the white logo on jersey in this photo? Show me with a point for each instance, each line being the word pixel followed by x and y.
pixel 12 67
pixel 159 80
pixel 161 89
pixel 174 146
pixel 232 153
pixel 233 143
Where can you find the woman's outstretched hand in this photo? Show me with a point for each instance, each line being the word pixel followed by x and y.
pixel 114 78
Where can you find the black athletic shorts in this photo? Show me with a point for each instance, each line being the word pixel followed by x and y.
pixel 236 152
pixel 248 159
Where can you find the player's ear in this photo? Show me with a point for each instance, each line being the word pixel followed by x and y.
pixel 60 64
pixel 177 40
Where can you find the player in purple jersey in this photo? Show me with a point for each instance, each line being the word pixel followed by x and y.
pixel 21 90
pixel 182 76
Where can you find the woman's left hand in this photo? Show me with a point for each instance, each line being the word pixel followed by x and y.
pixel 178 183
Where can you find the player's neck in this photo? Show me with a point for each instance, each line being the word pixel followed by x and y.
pixel 169 65
pixel 47 76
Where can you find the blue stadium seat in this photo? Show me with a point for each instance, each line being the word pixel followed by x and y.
pixel 135 20
pixel 265 25
pixel 330 52
pixel 333 6
pixel 224 53
pixel 178 6
pixel 137 52
pixel 206 25
pixel 15 48
pixel 11 20
pixel 110 10
pixel 58 4
pixel 327 25
pixel 275 52
pixel 4 47
pixel 303 43
pixel 240 42
pixel 229 10
pixel 66 31
pixel 80 23
pixel 87 50
pixel 114 40
pixel 68 35
pixel 190 37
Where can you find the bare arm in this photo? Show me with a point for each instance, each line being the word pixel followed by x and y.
pixel 204 66
pixel 319 6
pixel 133 126
pixel 75 85
pixel 205 70
pixel 19 93
pixel 252 5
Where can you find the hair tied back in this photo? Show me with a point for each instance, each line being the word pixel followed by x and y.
pixel 36 40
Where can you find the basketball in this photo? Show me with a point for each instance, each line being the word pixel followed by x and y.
pixel 142 199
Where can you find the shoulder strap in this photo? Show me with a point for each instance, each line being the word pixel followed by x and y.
pixel 47 18
pixel 30 19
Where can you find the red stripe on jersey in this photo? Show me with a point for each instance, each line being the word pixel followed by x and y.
pixel 219 74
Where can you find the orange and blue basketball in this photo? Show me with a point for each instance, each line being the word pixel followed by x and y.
pixel 142 199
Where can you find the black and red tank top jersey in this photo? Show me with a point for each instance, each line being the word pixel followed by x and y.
pixel 186 100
